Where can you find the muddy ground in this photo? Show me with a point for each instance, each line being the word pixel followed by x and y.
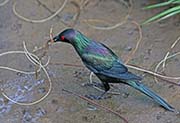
pixel 60 107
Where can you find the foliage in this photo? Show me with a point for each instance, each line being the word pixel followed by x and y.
pixel 171 11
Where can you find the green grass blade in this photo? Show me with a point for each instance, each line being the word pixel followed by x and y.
pixel 162 14
pixel 159 4
pixel 169 15
pixel 176 2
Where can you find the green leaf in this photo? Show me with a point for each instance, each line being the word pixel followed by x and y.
pixel 170 11
pixel 176 2
pixel 160 4
pixel 169 15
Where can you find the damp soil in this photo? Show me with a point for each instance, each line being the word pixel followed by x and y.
pixel 60 107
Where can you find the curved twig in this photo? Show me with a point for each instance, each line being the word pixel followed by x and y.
pixel 41 20
pixel 34 59
pixel 4 2
pixel 115 25
pixel 137 44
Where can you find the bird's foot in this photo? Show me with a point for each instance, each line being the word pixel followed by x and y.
pixel 96 84
pixel 94 97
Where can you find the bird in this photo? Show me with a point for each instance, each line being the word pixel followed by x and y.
pixel 106 65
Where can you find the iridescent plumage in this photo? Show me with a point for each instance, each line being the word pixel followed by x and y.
pixel 106 64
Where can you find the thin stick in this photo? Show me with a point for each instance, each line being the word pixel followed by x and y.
pixel 76 16
pixel 66 64
pixel 154 73
pixel 16 70
pixel 96 104
pixel 173 55
pixel 172 46
pixel 41 20
pixel 83 3
pixel 31 57
pixel 46 46
pixel 4 2
pixel 105 28
pixel 51 34
pixel 130 66
pixel 163 61
pixel 137 44
pixel 115 25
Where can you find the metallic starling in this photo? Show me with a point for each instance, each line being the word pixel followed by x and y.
pixel 105 64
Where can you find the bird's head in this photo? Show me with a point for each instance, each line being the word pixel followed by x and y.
pixel 67 35
pixel 74 37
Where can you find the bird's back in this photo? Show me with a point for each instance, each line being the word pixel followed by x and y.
pixel 103 61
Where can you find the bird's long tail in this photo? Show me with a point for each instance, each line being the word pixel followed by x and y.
pixel 142 88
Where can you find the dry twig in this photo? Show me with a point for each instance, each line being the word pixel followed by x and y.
pixel 137 44
pixel 163 61
pixel 4 2
pixel 115 25
pixel 41 20
pixel 96 104
pixel 35 60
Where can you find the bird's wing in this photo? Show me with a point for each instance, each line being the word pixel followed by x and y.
pixel 98 62
pixel 106 63
pixel 119 71
pixel 103 64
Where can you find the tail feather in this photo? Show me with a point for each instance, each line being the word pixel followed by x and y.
pixel 142 88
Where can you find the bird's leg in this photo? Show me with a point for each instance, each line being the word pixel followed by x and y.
pixel 96 84
pixel 102 96
pixel 92 83
pixel 106 89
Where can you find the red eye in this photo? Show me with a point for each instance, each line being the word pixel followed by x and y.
pixel 62 38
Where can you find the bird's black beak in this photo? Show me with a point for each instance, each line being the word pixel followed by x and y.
pixel 53 40
pixel 56 38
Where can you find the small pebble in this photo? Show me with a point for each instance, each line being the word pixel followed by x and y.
pixel 128 48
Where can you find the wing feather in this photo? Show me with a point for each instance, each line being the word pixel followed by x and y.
pixel 103 61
